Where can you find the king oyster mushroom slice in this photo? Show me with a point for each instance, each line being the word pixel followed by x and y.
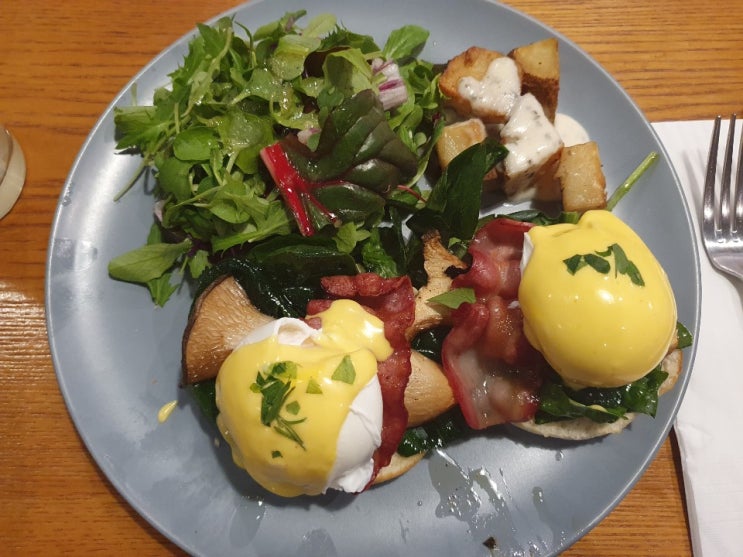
pixel 223 315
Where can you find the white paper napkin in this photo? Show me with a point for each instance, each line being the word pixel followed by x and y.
pixel 709 426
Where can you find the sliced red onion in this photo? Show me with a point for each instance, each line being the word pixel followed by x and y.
pixel 392 92
pixel 393 96
pixel 304 135
pixel 157 209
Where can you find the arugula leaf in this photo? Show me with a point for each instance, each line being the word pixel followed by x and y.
pixel 148 262
pixel 376 258
pixel 405 42
pixel 347 71
pixel 195 144
pixel 291 51
pixel 348 236
pixel 161 289
pixel 198 262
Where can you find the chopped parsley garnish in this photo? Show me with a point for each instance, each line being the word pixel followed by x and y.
pixel 599 262
pixel 313 387
pixel 275 386
pixel 345 371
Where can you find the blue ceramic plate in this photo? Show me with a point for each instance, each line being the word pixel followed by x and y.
pixel 118 358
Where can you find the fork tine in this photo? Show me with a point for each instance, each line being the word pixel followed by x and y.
pixel 708 200
pixel 738 195
pixel 724 223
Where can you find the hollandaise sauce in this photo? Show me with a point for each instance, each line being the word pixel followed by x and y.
pixel 285 394
pixel 596 302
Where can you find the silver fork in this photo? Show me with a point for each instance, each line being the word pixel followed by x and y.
pixel 722 230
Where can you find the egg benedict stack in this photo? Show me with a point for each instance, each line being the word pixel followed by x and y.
pixel 301 407
pixel 572 331
pixel 598 306
pixel 596 302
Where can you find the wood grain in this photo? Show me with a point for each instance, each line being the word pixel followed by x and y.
pixel 61 64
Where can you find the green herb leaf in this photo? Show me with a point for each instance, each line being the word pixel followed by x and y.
pixel 198 263
pixel 597 263
pixel 276 454
pixel 275 392
pixel 574 263
pixel 195 144
pixel 313 387
pixel 161 289
pixel 284 369
pixel 626 267
pixel 376 258
pixel 685 338
pixel 620 258
pixel 275 387
pixel 455 297
pixel 405 42
pixel 345 371
pixel 147 262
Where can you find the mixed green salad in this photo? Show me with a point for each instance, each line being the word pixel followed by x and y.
pixel 298 132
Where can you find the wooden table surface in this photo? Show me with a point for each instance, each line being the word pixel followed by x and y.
pixel 62 62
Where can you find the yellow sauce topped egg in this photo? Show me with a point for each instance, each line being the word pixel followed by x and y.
pixel 596 302
pixel 301 407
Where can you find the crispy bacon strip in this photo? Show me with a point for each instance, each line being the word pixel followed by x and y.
pixel 493 370
pixel 392 301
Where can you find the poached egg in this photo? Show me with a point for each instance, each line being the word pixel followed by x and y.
pixel 301 408
pixel 596 302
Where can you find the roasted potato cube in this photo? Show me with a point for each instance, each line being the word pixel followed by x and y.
pixel 457 137
pixel 581 178
pixel 474 63
pixel 540 64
